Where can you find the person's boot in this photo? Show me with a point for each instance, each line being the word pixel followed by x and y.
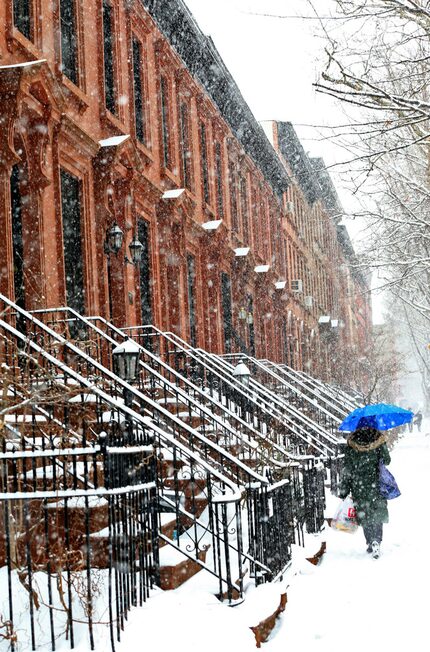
pixel 375 550
pixel 369 548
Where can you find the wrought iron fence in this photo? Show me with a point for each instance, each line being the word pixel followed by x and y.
pixel 77 516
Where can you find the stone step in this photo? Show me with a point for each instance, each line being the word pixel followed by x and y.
pixel 175 570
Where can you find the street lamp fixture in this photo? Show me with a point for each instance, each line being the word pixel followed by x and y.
pixel 126 360
pixel 242 373
pixel 126 365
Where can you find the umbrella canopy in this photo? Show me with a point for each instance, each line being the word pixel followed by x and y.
pixel 381 416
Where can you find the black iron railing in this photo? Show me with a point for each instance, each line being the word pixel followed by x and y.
pixel 186 372
pixel 276 421
pixel 222 514
pixel 187 375
pixel 180 391
pixel 337 402
pixel 295 395
pixel 74 399
pixel 78 510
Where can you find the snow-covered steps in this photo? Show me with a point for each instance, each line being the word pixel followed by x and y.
pixel 175 570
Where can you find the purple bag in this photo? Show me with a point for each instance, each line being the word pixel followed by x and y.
pixel 387 485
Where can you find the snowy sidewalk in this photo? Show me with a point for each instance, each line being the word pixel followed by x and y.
pixel 350 602
pixel 353 602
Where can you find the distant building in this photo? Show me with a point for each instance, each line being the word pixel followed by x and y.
pixel 335 303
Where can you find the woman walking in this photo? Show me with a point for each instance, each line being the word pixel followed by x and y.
pixel 365 448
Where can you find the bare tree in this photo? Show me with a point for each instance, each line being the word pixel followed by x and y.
pixel 378 65
pixel 384 365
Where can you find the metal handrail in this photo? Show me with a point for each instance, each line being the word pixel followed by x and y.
pixel 137 394
pixel 264 392
pixel 302 395
pixel 304 458
pixel 188 398
pixel 184 396
pixel 135 416
pixel 276 409
pixel 308 386
pixel 220 360
pixel 344 399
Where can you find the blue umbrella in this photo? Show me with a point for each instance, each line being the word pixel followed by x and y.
pixel 382 416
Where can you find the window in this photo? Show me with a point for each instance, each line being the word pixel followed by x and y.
pixel 244 209
pixel 71 206
pixel 69 40
pixel 282 253
pixel 257 220
pixel 275 239
pixel 108 56
pixel 165 121
pixel 191 282
pixel 23 17
pixel 185 146
pixel 145 272
pixel 227 311
pixel 18 249
pixel 204 162
pixel 233 197
pixel 219 191
pixel 265 230
pixel 139 92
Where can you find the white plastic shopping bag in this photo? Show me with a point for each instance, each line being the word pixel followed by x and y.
pixel 345 518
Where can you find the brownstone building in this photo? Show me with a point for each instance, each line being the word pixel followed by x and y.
pixel 123 136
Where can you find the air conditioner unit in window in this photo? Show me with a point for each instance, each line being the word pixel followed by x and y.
pixel 297 285
pixel 309 302
pixel 290 207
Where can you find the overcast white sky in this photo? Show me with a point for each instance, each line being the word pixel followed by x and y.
pixel 275 61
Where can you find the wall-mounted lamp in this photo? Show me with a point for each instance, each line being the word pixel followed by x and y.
pixel 113 243
pixel 249 318
pixel 136 250
pixel 114 239
pixel 242 314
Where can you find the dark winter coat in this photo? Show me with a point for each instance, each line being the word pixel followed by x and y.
pixel 360 476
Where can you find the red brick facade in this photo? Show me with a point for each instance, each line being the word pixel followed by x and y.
pixel 130 81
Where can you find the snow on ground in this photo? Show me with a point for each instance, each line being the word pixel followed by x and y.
pixel 350 601
pixel 354 602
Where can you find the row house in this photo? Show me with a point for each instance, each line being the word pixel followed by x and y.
pixel 137 184
pixel 330 293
